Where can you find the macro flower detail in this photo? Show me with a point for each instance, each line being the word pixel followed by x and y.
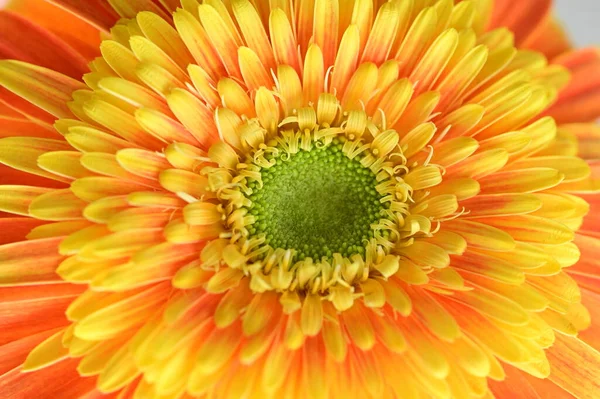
pixel 304 199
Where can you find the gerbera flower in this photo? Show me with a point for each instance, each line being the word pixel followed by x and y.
pixel 299 199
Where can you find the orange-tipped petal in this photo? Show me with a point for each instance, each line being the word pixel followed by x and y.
pixel 23 40
pixel 524 18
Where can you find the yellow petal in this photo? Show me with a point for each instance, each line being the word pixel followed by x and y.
pixel 397 297
pixel 290 88
pixel 283 39
pixel 374 295
pixel 389 333
pixel 63 163
pixel 48 352
pixel 158 78
pixel 160 32
pixel 501 204
pixel 494 306
pixel 198 43
pixel 433 315
pixel 259 313
pixel 434 61
pixel 21 153
pixel 142 163
pixel 360 87
pixel 218 348
pixel 224 280
pixel 388 266
pixel 118 372
pixel 234 97
pixel 58 229
pixel 346 59
pixel 16 199
pixel 333 337
pixel 88 139
pixel 411 273
pixel 426 254
pixel 57 205
pixel 132 93
pixel 482 235
pixel 417 38
pixel 253 70
pixel 325 28
pixel 181 181
pixel 201 213
pixel 533 229
pixel 119 121
pixel 383 33
pixel 191 276
pixel 314 74
pixel 359 327
pixel 222 154
pixel 221 37
pixel 267 110
pixel 231 305
pixel 113 319
pixel 415 140
pixel 481 164
pixel 573 168
pixel 94 188
pixel 42 87
pixel 312 315
pixel 521 181
pixel 194 115
pixel 253 31
pixel 490 267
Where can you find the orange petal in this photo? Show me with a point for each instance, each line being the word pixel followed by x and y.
pixel 283 41
pixel 10 176
pixel 253 31
pixel 591 300
pixel 523 18
pixel 24 320
pixel 515 386
pixel 384 31
pixel 550 39
pixel 45 88
pixel 96 12
pixel 23 40
pixel 314 74
pixel 65 382
pixel 130 8
pixel 20 294
pixel 29 262
pixel 580 100
pixel 13 126
pixel 588 264
pixel 198 43
pixel 546 388
pixel 14 229
pixel 221 36
pixel 14 353
pixel 575 366
pixel 325 28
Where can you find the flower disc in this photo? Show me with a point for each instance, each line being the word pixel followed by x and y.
pixel 318 202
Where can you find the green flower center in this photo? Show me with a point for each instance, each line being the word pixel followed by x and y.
pixel 317 202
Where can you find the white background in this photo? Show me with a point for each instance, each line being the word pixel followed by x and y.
pixel 581 19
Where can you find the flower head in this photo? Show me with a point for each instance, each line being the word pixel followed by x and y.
pixel 312 199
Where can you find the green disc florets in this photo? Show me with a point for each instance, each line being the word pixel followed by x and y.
pixel 317 202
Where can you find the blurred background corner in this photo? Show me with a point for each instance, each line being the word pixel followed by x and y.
pixel 581 19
